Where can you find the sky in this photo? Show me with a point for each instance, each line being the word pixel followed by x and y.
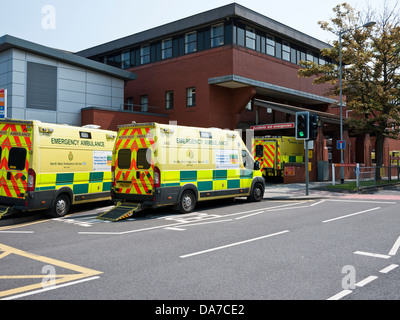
pixel 75 25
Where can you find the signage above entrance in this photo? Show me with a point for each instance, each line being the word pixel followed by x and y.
pixel 275 126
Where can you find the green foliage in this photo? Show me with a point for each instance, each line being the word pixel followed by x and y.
pixel 371 70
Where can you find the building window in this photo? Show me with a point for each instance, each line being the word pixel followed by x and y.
pixel 129 104
pixel 191 97
pixel 217 35
pixel 145 54
pixel 144 103
pixel 126 60
pixel 166 49
pixel 271 46
pixel 191 42
pixel 41 89
pixel 310 57
pixel 250 38
pixel 169 100
pixel 285 50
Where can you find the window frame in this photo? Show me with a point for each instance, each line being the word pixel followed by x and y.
pixel 190 42
pixel 167 51
pixel 169 100
pixel 190 97
pixel 219 37
pixel 144 55
pixel 250 42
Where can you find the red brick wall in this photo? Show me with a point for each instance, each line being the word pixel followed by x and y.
pixel 111 120
pixel 215 106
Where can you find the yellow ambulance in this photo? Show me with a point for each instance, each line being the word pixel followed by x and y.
pixel 156 165
pixel 49 166
pixel 273 152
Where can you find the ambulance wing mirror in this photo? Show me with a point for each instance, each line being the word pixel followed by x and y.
pixel 257 165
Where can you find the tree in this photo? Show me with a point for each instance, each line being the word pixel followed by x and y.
pixel 371 70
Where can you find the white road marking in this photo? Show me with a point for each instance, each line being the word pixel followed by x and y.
pixel 232 244
pixel 17 232
pixel 364 282
pixel 395 248
pixel 362 201
pixel 389 268
pixel 350 215
pixel 317 203
pixel 50 288
pixel 250 215
pixel 374 255
pixel 340 295
pixel 175 229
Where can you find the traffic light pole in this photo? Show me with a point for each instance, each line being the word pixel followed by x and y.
pixel 307 168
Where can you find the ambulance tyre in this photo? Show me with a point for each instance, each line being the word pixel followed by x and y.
pixel 258 193
pixel 187 202
pixel 61 206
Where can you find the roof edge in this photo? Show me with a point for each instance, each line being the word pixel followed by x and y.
pixel 9 42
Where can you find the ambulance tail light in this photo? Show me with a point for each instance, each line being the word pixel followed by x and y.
pixel 157 177
pixel 31 180
pixel 112 176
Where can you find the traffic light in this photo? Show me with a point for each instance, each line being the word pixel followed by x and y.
pixel 302 125
pixel 313 126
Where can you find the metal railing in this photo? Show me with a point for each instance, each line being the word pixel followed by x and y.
pixel 364 177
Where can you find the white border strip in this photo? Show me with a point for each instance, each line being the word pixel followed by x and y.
pixel 232 245
pixel 50 288
pixel 350 215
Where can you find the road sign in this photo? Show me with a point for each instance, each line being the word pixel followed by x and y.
pixel 275 126
pixel 3 103
pixel 341 145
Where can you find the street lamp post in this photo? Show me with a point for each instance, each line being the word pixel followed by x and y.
pixel 367 25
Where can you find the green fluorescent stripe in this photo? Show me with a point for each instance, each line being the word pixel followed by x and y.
pixel 106 186
pixel 96 176
pixel 205 185
pixel 81 188
pixel 233 184
pixel 220 174
pixel 65 178
pixel 188 175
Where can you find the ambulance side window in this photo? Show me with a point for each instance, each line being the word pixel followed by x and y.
pixel 248 162
pixel 17 159
pixel 124 158
pixel 259 151
pixel 143 160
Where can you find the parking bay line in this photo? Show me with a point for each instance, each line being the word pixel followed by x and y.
pixel 184 224
pixel 350 215
pixel 233 244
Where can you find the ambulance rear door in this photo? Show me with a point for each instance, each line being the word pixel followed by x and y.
pixel 16 146
pixel 134 165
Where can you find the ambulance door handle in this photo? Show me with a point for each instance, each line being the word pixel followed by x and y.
pixel 137 174
pixel 9 175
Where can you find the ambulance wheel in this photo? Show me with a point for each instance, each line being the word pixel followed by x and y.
pixel 61 206
pixel 187 202
pixel 258 193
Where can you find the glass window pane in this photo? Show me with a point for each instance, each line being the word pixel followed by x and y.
pixel 143 160
pixel 17 159
pixel 124 159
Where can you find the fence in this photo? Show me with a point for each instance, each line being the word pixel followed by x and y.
pixel 364 177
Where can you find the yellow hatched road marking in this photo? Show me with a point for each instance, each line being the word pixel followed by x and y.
pixel 81 272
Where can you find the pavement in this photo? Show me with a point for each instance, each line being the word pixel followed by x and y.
pixel 297 191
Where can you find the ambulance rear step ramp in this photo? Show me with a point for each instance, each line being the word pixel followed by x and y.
pixel 121 211
pixel 5 211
